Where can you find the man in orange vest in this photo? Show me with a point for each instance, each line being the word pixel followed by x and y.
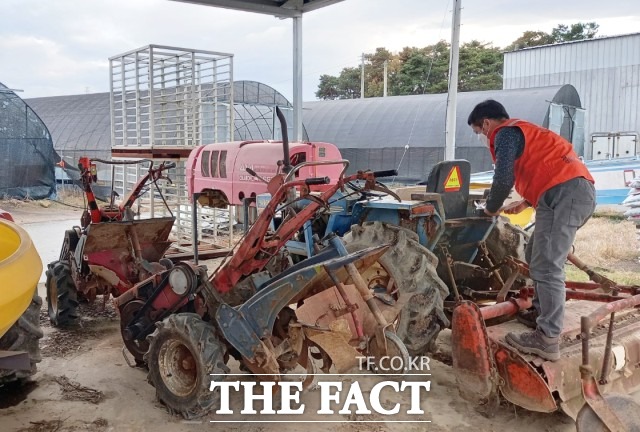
pixel 550 177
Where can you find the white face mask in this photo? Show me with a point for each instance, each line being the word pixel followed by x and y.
pixel 483 139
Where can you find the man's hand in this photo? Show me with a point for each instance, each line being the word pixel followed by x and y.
pixel 515 207
pixel 489 213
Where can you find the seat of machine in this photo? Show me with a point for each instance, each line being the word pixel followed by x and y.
pixel 451 180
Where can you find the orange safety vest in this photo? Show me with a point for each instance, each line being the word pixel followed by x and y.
pixel 547 160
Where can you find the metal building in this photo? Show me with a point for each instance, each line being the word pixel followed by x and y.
pixel 408 132
pixel 606 73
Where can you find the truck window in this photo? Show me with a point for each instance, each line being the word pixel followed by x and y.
pixel 298 158
pixel 204 165
pixel 214 163
pixel 223 164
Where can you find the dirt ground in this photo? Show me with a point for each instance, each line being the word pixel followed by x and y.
pixel 84 383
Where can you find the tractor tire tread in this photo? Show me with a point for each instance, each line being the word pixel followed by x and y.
pixel 67 296
pixel 24 335
pixel 413 267
pixel 200 336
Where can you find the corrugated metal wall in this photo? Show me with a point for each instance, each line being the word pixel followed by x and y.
pixel 606 73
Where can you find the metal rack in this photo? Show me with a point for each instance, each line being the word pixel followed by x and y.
pixel 164 102
pixel 170 97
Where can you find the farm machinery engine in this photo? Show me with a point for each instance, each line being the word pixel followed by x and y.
pixel 110 251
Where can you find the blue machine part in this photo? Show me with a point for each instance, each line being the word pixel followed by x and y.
pixel 345 211
pixel 413 215
pixel 245 325
pixel 340 219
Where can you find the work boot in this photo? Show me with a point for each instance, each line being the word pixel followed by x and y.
pixel 528 317
pixel 537 343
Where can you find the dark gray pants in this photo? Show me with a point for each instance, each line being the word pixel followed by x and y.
pixel 561 211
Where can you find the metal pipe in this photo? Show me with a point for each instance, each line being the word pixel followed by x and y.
pixel 194 227
pixel 359 282
pixel 297 78
pixel 606 361
pixel 285 141
pixel 450 149
pixel 452 279
pixel 364 291
pixel 596 316
pixel 589 321
pixel 350 306
pixel 507 308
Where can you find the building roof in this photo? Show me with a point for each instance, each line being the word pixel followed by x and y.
pixel 280 8
pixel 595 39
pixel 419 120
pixel 76 122
pixel 82 122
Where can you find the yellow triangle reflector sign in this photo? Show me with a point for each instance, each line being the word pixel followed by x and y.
pixel 452 183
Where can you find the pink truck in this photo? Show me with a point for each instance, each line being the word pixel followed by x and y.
pixel 219 171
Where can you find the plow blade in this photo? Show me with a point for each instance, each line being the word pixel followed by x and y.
pixel 472 359
pixel 531 382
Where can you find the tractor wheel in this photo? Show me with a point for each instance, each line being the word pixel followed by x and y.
pixel 184 352
pixel 24 336
pixel 62 297
pixel 412 269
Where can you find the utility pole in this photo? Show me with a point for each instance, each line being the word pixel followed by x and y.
pixel 297 78
pixel 362 78
pixel 384 91
pixel 450 133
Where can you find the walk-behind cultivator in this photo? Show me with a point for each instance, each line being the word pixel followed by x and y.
pixel 192 323
pixel 110 251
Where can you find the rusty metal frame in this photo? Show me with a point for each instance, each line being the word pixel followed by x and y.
pixel 590 389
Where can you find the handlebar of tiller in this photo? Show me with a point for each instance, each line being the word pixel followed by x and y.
pixel 317 181
pixel 385 173
pixel 343 162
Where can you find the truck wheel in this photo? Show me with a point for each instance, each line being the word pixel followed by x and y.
pixel 184 352
pixel 24 335
pixel 412 269
pixel 62 298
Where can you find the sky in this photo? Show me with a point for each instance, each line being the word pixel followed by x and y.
pixel 62 47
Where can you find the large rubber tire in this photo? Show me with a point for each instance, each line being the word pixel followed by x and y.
pixel 184 352
pixel 62 297
pixel 413 268
pixel 24 335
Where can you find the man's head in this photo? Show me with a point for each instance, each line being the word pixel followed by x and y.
pixel 486 116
